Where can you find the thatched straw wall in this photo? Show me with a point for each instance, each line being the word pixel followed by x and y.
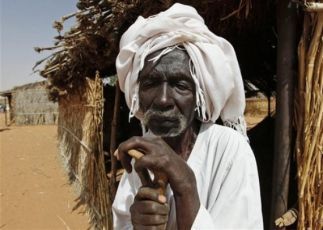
pixel 309 120
pixel 31 105
pixel 80 143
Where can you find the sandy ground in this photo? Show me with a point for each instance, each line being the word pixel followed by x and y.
pixel 34 193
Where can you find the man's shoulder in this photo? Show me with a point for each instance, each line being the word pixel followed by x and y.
pixel 225 140
pixel 221 132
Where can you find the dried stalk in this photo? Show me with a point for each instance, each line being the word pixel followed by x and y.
pixel 309 140
pixel 113 141
pixel 247 4
pixel 66 17
pixel 308 99
pixel 313 6
pixel 310 6
pixel 85 165
pixel 38 49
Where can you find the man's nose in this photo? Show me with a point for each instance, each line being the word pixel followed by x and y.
pixel 163 100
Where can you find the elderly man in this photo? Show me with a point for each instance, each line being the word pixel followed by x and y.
pixel 178 78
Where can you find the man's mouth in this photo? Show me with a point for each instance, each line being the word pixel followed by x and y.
pixel 167 123
pixel 164 119
pixel 160 121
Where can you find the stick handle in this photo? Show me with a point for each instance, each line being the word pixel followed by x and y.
pixel 160 179
pixel 135 154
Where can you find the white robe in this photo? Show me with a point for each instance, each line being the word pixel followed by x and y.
pixel 227 184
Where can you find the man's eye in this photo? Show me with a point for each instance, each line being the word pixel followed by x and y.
pixel 148 84
pixel 182 86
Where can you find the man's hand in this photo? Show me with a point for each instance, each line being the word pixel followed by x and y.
pixel 160 157
pixel 149 210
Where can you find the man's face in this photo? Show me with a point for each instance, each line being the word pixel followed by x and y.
pixel 167 93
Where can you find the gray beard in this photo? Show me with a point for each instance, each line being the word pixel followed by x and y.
pixel 170 114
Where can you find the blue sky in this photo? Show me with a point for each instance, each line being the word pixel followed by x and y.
pixel 25 24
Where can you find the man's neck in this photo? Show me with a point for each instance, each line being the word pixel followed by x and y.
pixel 184 143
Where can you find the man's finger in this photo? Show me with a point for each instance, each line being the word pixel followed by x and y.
pixel 147 193
pixel 149 219
pixel 143 227
pixel 149 207
pixel 124 158
pixel 137 143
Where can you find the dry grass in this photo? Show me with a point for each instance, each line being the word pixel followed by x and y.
pixel 308 118
pixel 80 141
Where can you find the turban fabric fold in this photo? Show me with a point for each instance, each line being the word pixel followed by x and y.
pixel 215 69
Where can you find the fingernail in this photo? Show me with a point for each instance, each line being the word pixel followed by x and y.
pixel 162 199
pixel 116 154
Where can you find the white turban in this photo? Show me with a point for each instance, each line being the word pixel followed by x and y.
pixel 215 71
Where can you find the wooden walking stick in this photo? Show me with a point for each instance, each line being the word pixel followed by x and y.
pixel 160 179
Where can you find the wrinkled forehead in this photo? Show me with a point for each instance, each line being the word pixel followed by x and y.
pixel 175 62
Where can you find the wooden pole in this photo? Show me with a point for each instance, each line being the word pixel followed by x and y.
pixel 113 141
pixel 286 60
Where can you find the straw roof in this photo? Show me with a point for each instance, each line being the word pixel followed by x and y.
pixel 92 44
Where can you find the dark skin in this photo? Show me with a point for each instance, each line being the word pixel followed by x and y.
pixel 166 85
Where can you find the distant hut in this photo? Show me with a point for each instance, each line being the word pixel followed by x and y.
pixel 29 105
pixel 93 114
